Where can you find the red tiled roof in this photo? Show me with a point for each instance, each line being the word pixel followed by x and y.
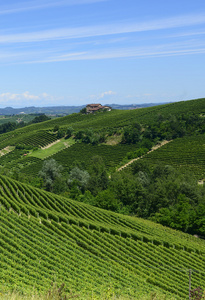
pixel 94 105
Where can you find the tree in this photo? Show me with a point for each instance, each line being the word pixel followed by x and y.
pixel 50 171
pixel 106 199
pixel 181 216
pixel 69 132
pixel 83 110
pixel 40 118
pixel 56 128
pixel 79 134
pixel 131 135
pixel 60 133
pixel 98 176
pixel 79 177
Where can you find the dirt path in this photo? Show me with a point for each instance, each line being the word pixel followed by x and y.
pixel 50 145
pixel 153 149
pixel 6 150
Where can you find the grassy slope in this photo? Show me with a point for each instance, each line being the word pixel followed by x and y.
pixel 45 238
pixel 52 149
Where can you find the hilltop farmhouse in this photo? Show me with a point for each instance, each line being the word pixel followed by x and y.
pixel 91 108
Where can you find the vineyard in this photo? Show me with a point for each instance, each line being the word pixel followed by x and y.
pixel 44 237
pixel 47 238
pixel 83 153
pixel 186 154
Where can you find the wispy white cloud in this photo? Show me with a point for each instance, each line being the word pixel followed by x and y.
pixel 100 97
pixel 156 51
pixel 186 47
pixel 104 94
pixel 186 34
pixel 5 97
pixel 103 30
pixel 22 99
pixel 35 5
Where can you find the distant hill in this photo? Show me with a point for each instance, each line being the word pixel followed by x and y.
pixel 52 110
pixel 64 110
pixel 135 106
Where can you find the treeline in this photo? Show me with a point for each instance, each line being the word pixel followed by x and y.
pixel 170 127
pixel 175 126
pixel 10 126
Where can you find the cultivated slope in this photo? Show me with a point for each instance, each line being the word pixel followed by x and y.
pixel 41 134
pixel 113 119
pixel 186 154
pixel 44 238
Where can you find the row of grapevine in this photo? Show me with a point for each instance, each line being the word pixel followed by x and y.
pixel 18 195
pixel 67 251
pixel 45 237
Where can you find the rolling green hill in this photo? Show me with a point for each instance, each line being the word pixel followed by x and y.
pixel 41 135
pixel 45 238
pixel 113 119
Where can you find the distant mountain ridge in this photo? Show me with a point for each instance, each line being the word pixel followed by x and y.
pixel 66 110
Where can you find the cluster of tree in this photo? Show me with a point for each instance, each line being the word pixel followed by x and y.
pixel 40 118
pixel 25 147
pixel 77 181
pixel 170 127
pixel 160 193
pixel 89 136
pixel 176 126
pixel 10 126
pixel 63 132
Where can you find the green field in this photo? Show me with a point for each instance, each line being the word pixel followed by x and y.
pixel 52 148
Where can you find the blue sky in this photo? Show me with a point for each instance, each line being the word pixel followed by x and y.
pixel 74 52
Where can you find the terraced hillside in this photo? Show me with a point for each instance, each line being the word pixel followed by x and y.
pixel 45 238
pixel 186 154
